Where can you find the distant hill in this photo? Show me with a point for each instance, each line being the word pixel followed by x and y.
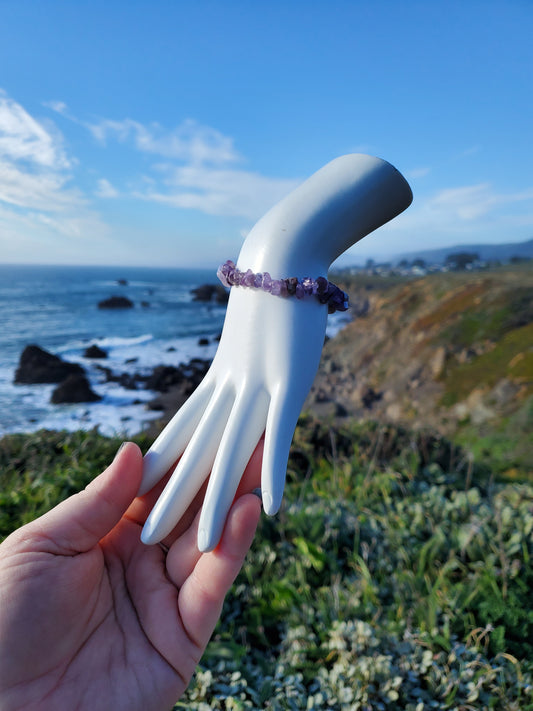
pixel 486 252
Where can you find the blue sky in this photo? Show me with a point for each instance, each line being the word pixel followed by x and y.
pixel 158 132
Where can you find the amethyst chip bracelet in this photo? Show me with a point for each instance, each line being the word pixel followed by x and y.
pixel 325 291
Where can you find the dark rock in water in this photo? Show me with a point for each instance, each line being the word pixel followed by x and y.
pixel 203 341
pixel 94 351
pixel 163 377
pixel 194 372
pixel 210 292
pixel 126 380
pixel 129 382
pixel 155 406
pixel 39 366
pixel 122 282
pixel 75 388
pixel 174 396
pixel 131 360
pixel 107 371
pixel 116 302
pixel 198 364
pixel 145 304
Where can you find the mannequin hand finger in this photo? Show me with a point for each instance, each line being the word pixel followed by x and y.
pixel 174 438
pixel 184 554
pixel 192 470
pixel 245 426
pixel 281 423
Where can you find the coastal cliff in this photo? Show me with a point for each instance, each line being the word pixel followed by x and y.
pixel 452 352
pixel 449 352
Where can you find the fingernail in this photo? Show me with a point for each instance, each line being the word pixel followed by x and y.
pixel 202 540
pixel 147 533
pixel 267 502
pixel 119 450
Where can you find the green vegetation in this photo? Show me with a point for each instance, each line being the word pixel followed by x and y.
pixel 37 471
pixel 399 574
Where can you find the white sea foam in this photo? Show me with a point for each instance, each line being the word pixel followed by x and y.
pixel 121 410
pixel 115 346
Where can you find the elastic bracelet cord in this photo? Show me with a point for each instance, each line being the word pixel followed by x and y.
pixel 325 291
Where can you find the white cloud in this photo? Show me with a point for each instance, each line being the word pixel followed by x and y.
pixel 220 192
pixel 189 142
pixel 58 106
pixel 417 173
pixel 474 201
pixel 39 207
pixel 36 236
pixel 105 189
pixel 37 191
pixel 472 150
pixel 33 164
pixel 467 214
pixel 22 138
pixel 198 173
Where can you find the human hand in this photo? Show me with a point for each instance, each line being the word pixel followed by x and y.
pixel 90 618
pixel 270 347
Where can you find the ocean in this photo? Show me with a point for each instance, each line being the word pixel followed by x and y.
pixel 56 307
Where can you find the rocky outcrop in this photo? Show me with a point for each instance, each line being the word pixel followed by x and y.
pixel 116 302
pixel 210 292
pixel 94 351
pixel 129 381
pixel 175 386
pixel 37 365
pixel 164 377
pixel 188 377
pixel 75 388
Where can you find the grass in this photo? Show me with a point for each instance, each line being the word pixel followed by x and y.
pixel 398 575
pixel 37 471
pixel 511 358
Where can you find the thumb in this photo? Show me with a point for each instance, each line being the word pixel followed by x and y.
pixel 77 524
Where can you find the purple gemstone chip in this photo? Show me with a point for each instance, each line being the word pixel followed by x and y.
pixel 267 282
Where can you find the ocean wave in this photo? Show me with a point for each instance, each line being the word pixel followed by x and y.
pixel 121 342
pixel 120 411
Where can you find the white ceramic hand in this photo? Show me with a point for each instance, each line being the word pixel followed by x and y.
pixel 270 348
